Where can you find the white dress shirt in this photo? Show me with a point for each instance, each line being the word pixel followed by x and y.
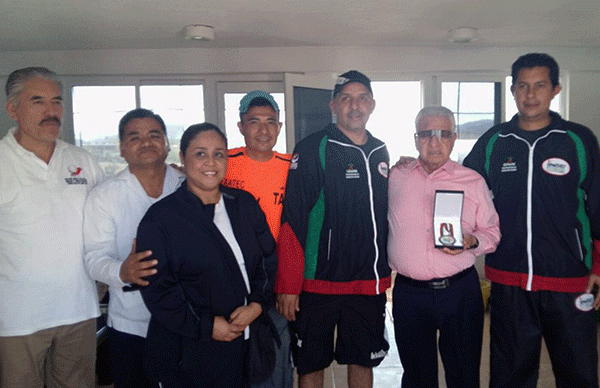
pixel 112 214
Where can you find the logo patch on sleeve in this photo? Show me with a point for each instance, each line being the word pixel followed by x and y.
pixel 556 166
pixel 294 162
pixel 383 169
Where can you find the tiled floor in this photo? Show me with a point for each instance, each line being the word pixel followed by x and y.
pixel 389 373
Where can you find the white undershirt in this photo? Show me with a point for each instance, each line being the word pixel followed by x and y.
pixel 221 220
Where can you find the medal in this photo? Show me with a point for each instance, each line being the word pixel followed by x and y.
pixel 447 234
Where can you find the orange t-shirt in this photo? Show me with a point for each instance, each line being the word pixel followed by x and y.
pixel 264 180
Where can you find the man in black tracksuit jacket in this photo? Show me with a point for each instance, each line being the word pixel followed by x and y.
pixel 544 173
pixel 332 246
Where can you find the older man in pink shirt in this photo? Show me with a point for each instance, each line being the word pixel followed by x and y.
pixel 437 290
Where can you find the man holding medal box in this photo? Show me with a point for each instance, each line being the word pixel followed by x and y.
pixel 437 287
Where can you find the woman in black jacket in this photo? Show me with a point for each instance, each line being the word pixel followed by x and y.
pixel 216 263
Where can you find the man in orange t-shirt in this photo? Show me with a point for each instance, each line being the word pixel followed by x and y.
pixel 262 172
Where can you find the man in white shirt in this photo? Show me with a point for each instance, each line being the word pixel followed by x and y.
pixel 48 302
pixel 112 213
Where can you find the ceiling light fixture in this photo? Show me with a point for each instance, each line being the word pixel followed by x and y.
pixel 463 35
pixel 199 32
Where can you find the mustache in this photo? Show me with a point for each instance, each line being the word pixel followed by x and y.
pixel 51 119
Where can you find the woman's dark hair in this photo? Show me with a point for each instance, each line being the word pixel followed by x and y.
pixel 193 130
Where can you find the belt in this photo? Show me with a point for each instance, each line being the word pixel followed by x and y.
pixel 435 284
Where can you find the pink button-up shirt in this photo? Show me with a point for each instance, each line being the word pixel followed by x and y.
pixel 411 250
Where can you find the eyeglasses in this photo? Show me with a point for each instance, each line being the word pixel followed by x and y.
pixel 441 134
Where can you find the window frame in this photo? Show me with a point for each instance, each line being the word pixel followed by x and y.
pixel 214 88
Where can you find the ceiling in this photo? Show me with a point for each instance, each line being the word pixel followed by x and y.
pixel 124 24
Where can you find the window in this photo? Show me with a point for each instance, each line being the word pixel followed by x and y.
pixel 393 120
pixel 97 111
pixel 179 106
pixel 476 107
pixel 96 114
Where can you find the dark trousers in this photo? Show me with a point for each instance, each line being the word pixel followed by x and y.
pixel 126 354
pixel 456 313
pixel 174 361
pixel 283 376
pixel 518 321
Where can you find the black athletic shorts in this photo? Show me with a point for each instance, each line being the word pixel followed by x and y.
pixel 360 322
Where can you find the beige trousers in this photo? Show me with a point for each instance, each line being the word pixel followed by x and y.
pixel 62 356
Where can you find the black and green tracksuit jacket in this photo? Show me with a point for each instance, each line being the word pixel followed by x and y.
pixel 546 189
pixel 333 237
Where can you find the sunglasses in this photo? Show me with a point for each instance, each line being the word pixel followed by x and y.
pixel 441 134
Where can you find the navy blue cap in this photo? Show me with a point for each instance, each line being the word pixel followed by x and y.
pixel 351 76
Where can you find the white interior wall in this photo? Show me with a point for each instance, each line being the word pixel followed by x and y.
pixel 291 59
pixel 581 65
pixel 584 99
